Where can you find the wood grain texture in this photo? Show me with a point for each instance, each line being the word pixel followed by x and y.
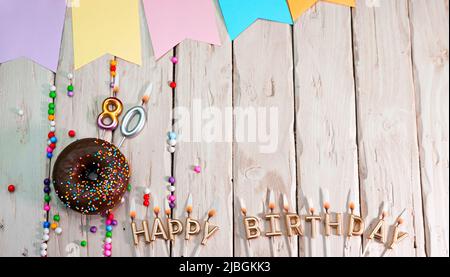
pixel 429 32
pixel 256 169
pixel 361 97
pixel 23 86
pixel 386 121
pixel 204 90
pixel 326 123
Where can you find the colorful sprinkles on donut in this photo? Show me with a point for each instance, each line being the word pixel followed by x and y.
pixel 91 176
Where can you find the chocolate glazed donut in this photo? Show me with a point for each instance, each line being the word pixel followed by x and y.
pixel 91 176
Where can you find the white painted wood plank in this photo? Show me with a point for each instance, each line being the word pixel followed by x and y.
pixel 150 162
pixel 429 31
pixel 387 139
pixel 204 87
pixel 24 85
pixel 263 79
pixel 326 124
pixel 78 113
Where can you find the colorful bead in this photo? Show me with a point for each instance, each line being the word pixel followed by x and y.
pixel 172 180
pixel 58 230
pixel 47 189
pixel 70 93
pixel 173 85
pixel 197 169
pixel 174 60
pixel 52 94
pixel 46 208
pixel 171 188
pixel 109 228
pixel 172 205
pixel 53 139
pixel 46 224
pixel 108 234
pixel 46 181
pixel 83 243
pixel 46 231
pixel 93 229
pixel 70 88
pixel 129 187
pixel 171 198
pixel 108 240
pixel 171 149
pixel 108 246
pixel 56 218
pixel 49 155
pixel 114 222
pixel 146 203
pixel 113 62
pixel 53 226
pixel 110 216
pixel 108 222
pixel 107 253
pixel 51 105
pixel 11 188
pixel 47 198
pixel 45 237
pixel 172 142
pixel 172 135
pixel 72 133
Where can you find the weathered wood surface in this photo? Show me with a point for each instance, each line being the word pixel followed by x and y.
pixel 325 117
pixel 362 101
pixel 386 121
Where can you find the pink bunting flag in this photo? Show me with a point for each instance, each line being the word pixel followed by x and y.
pixel 172 21
pixel 32 29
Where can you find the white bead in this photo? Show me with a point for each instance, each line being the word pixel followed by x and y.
pixel 108 240
pixel 43 246
pixel 45 237
pixel 49 142
pixel 52 88
pixel 43 253
pixel 52 123
pixel 52 129
pixel 70 76
pixel 171 188
pixel 172 142
pixel 20 112
pixel 171 149
pixel 122 200
pixel 147 191
pixel 46 231
pixel 58 231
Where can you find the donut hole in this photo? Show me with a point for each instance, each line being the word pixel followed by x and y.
pixel 91 172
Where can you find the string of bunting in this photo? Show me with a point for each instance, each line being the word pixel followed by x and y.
pixel 33 29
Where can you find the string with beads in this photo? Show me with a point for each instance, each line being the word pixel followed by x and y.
pixel 51 145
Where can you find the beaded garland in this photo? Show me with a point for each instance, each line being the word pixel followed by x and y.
pixel 51 145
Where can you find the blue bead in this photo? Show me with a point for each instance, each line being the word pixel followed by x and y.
pixel 46 224
pixel 49 155
pixel 108 228
pixel 47 189
pixel 172 135
pixel 54 139
pixel 46 181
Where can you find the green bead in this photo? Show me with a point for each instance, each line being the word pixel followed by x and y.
pixel 51 111
pixel 70 88
pixel 108 234
pixel 52 94
pixel 83 243
pixel 56 217
pixel 129 187
pixel 47 198
pixel 51 106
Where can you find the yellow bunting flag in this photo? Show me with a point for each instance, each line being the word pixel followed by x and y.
pixel 106 27
pixel 298 7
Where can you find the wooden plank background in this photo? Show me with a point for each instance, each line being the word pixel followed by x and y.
pixel 362 103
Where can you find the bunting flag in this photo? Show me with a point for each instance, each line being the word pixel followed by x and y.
pixel 172 21
pixel 106 27
pixel 239 14
pixel 32 29
pixel 298 7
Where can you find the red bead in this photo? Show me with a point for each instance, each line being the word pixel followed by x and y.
pixel 146 196
pixel 113 68
pixel 52 145
pixel 11 188
pixel 173 84
pixel 71 133
pixel 146 203
pixel 50 135
pixel 111 216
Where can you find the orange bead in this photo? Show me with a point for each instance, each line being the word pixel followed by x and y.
pixel 54 225
pixel 113 63
pixel 51 117
pixel 113 73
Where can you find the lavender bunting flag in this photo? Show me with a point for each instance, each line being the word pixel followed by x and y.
pixel 32 29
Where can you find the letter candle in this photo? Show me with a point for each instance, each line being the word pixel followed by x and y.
pixel 326 207
pixel 397 236
pixel 244 214
pixel 271 209
pixel 189 208
pixel 379 231
pixel 286 210
pixel 207 231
